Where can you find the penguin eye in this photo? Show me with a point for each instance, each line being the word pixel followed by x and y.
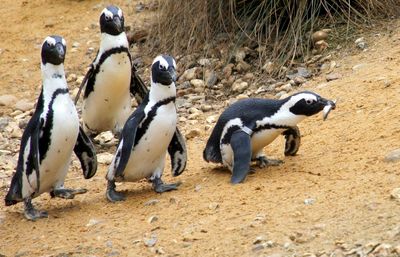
pixel 108 18
pixel 309 101
pixel 162 67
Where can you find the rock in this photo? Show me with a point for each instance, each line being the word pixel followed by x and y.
pixel 93 222
pixel 150 242
pixel 151 202
pixel 197 83
pixel 213 206
pixel 243 66
pixel 309 201
pixel 105 137
pixel 358 66
pixel 249 76
pixel 194 110
pixel 105 158
pixel 190 74
pixel 4 122
pixel 287 87
pixel 268 67
pixel 24 105
pixel 319 35
pixel 71 78
pixel 8 100
pixel 206 108
pixel 197 188
pixel 360 43
pixel 393 156
pixel 13 130
pixel 194 116
pixel 383 250
pixel 301 72
pixel 193 133
pixel 75 45
pixel 239 86
pixel 152 219
pixel 211 119
pixel 240 54
pixel 395 194
pixel 299 80
pixel 259 240
pixel 204 62
pixel 333 76
pixel 211 78
pixel 227 70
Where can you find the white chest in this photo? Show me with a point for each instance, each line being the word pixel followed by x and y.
pixel 263 138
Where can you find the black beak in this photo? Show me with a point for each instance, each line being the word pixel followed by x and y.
pixel 117 23
pixel 328 105
pixel 172 73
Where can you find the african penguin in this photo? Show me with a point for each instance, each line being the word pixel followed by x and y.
pixel 149 133
pixel 110 79
pixel 51 135
pixel 247 126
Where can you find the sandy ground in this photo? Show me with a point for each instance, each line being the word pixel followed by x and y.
pixel 340 165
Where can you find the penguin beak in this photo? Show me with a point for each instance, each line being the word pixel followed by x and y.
pixel 117 23
pixel 172 73
pixel 328 106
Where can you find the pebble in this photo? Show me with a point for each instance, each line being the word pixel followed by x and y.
pixel 105 137
pixel 395 194
pixel 92 222
pixel 8 100
pixel 13 130
pixel 105 158
pixel 211 79
pixel 189 74
pixel 309 201
pixel 150 242
pixel 393 156
pixel 206 108
pixel 211 119
pixel 194 110
pixel 243 66
pixel 301 72
pixel 152 219
pixel 227 70
pixel 24 105
pixel 360 43
pixel 287 87
pixel 359 66
pixel 197 83
pixel 151 202
pixel 333 76
pixel 71 77
pixel 197 188
pixel 193 133
pixel 239 86
pixel 204 62
pixel 240 54
pixel 213 206
pixel 268 67
pixel 194 116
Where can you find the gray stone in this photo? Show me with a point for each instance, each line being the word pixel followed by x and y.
pixel 333 76
pixel 24 105
pixel 152 219
pixel 211 79
pixel 8 100
pixel 150 242
pixel 393 156
pixel 301 72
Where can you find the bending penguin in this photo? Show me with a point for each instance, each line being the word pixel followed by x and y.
pixel 51 135
pixel 110 79
pixel 148 134
pixel 247 126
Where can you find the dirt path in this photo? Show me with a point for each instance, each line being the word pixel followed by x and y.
pixel 339 167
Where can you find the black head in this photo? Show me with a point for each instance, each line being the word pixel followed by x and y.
pixel 163 70
pixel 308 103
pixel 112 20
pixel 53 50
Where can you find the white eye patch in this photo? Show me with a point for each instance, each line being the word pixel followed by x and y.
pixel 63 42
pixel 163 62
pixel 49 40
pixel 120 13
pixel 107 13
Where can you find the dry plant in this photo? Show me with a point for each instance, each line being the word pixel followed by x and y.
pixel 278 29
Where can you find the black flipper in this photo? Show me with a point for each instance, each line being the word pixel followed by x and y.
pixel 86 154
pixel 241 146
pixel 128 139
pixel 292 144
pixel 90 73
pixel 178 153
pixel 137 88
pixel 35 151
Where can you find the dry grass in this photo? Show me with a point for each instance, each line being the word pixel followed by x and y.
pixel 278 29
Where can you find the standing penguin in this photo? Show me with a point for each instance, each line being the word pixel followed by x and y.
pixel 247 126
pixel 51 135
pixel 149 133
pixel 110 79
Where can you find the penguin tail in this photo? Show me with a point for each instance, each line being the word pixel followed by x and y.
pixel 14 193
pixel 210 154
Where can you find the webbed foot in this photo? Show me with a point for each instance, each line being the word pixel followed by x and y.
pixel 263 162
pixel 66 193
pixel 160 187
pixel 31 213
pixel 112 195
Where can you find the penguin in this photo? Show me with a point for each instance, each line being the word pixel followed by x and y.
pixel 51 135
pixel 111 78
pixel 248 125
pixel 149 133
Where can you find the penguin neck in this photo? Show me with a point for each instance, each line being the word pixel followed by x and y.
pixel 159 92
pixel 53 76
pixel 109 41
